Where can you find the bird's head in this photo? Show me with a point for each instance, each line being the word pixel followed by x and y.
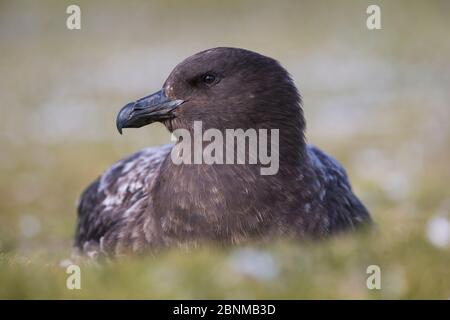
pixel 225 88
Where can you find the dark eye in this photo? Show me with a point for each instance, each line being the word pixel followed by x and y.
pixel 208 78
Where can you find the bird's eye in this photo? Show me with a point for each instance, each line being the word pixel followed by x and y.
pixel 208 78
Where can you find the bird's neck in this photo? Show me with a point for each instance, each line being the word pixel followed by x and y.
pixel 226 201
pixel 280 145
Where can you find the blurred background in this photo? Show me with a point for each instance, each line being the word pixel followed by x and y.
pixel 376 100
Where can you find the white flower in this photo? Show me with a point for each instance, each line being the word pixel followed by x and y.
pixel 254 263
pixel 438 231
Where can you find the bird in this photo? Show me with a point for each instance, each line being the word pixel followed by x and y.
pixel 146 202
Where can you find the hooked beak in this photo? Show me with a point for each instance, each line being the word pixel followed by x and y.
pixel 152 108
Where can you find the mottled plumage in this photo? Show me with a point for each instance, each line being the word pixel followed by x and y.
pixel 145 201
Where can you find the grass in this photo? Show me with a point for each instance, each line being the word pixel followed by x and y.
pixel 336 269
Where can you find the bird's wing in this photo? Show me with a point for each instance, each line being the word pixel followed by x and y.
pixel 117 194
pixel 344 209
